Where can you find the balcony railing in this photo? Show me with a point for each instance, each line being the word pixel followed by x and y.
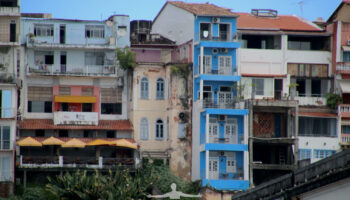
pixel 73 161
pixel 231 103
pixel 227 140
pixel 227 70
pixel 87 70
pixel 9 11
pixel 344 110
pixel 8 113
pixel 343 67
pixel 222 38
pixel 345 138
pixel 76 118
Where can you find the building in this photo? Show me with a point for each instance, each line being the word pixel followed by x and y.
pixel 219 121
pixel 160 108
pixel 285 63
pixel 339 24
pixel 9 84
pixel 74 110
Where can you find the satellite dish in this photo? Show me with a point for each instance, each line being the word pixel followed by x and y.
pixel 205 34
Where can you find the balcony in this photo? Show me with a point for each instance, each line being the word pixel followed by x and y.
pixel 75 118
pixel 8 78
pixel 9 11
pixel 345 139
pixel 344 110
pixel 218 71
pixel 343 68
pixel 73 70
pixel 314 100
pixel 74 162
pixel 228 103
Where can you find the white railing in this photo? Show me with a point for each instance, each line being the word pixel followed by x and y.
pixel 343 67
pixel 71 161
pixel 218 71
pixel 87 70
pixel 343 108
pixel 9 11
pixel 76 118
pixel 229 103
pixel 345 138
pixel 316 101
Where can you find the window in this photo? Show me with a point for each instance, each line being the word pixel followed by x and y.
pixel 144 88
pixel 346 56
pixel 320 153
pixel 87 107
pixel 258 85
pixel 207 65
pixel 346 129
pixel 304 154
pixel 43 30
pixel 159 129
pixel 87 91
pixel 40 106
pixel 181 130
pixel 6 167
pixel 224 32
pixel 230 165
pixel 225 64
pixel 64 90
pixel 94 58
pixel 5 137
pixel 110 134
pixel 317 127
pixel 40 133
pixel 316 87
pixel 213 130
pixel 111 108
pixel 205 31
pixel 87 134
pixel 63 133
pixel 160 89
pixel 94 31
pixel 144 130
pixel 231 130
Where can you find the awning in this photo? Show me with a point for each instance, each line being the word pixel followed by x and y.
pixel 75 99
pixel 345 86
pixel 74 143
pixel 317 114
pixel 52 141
pixel 29 142
pixel 125 143
pixel 100 142
pixel 346 48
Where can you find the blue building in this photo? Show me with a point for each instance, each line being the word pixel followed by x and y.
pixel 219 120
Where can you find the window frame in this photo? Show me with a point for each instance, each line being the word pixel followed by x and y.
pixel 94 31
pixel 144 127
pixel 144 90
pixel 160 89
pixel 43 30
pixel 159 129
pixel 4 142
pixel 258 92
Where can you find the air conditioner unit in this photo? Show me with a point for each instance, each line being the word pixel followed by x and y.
pixel 223 50
pixel 222 118
pixel 215 20
pixel 348 42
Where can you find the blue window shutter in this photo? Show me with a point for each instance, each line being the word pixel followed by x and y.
pixel 6 104
pixel 181 130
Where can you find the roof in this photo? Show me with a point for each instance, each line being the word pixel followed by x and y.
pixel 337 10
pixel 204 9
pixel 279 23
pixel 317 114
pixel 34 124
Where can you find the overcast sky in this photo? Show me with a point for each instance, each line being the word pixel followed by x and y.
pixel 148 9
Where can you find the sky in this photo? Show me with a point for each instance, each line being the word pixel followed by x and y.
pixel 148 9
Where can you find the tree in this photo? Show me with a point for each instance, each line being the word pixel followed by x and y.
pixel 126 58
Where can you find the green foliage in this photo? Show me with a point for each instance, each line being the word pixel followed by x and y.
pixel 333 100
pixel 126 58
pixel 181 70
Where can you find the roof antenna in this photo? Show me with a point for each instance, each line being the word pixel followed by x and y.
pixel 301 3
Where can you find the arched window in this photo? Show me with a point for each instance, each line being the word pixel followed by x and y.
pixel 160 88
pixel 144 88
pixel 159 129
pixel 144 130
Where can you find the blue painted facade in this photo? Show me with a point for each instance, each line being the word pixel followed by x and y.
pixel 221 124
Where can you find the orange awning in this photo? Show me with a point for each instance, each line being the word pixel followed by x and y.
pixel 52 141
pixel 125 143
pixel 29 142
pixel 74 143
pixel 100 142
pixel 75 99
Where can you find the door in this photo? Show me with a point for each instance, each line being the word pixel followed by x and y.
pixel 213 132
pixel 62 34
pixel 231 133
pixel 278 88
pixel 214 168
pixel 225 64
pixel 222 166
pixel 224 99
pixel 13 32
pixel 63 62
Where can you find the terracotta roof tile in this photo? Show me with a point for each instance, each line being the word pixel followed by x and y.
pixel 85 140
pixel 281 22
pixel 33 124
pixel 203 9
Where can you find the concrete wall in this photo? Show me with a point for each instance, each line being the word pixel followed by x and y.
pixel 181 29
